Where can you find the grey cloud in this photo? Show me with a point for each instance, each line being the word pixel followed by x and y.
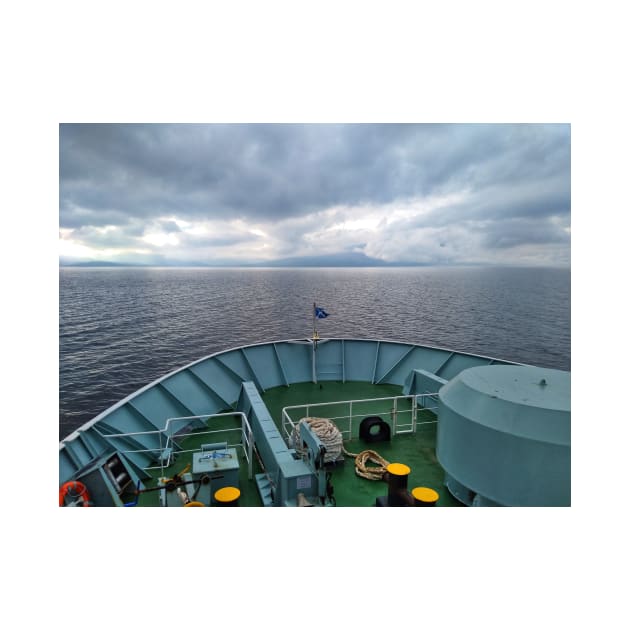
pixel 516 232
pixel 198 241
pixel 76 217
pixel 538 198
pixel 169 226
pixel 133 175
pixel 93 237
pixel 278 171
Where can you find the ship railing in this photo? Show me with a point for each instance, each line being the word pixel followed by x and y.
pixel 168 446
pixel 403 413
pixel 246 442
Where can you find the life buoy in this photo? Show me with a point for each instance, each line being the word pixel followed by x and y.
pixel 74 489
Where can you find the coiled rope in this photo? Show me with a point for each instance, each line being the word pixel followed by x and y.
pixel 331 437
pixel 326 431
pixel 368 472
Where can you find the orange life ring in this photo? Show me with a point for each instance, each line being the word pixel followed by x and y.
pixel 78 490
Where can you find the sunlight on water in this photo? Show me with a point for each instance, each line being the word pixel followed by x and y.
pixel 122 328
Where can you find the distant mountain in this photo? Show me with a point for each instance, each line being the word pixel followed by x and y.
pixel 343 259
pixel 98 263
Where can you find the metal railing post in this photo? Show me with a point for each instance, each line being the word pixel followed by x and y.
pixel 414 413
pixel 350 427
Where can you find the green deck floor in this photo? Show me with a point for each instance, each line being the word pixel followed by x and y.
pixel 415 450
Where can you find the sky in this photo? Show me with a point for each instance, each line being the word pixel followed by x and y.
pixel 234 194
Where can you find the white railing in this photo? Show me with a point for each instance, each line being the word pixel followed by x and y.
pixel 167 438
pixel 345 420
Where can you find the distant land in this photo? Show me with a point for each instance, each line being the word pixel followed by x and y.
pixel 333 260
pixel 97 263
pixel 343 259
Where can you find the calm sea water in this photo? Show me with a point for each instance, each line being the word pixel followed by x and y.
pixel 121 328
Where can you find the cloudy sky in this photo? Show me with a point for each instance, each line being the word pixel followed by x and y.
pixel 254 194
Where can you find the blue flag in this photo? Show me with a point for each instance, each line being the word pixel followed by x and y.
pixel 320 313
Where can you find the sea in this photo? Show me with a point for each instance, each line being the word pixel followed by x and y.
pixel 122 327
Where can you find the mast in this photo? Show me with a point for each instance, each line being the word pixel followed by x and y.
pixel 314 340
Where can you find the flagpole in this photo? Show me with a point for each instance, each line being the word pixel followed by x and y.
pixel 314 344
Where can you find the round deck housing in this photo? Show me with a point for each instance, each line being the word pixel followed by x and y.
pixel 504 436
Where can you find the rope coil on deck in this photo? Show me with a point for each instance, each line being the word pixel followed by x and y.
pixel 375 473
pixel 326 431
pixel 329 434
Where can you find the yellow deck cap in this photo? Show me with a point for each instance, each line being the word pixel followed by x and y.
pixel 398 469
pixel 227 494
pixel 426 495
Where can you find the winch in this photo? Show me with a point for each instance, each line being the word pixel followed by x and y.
pixel 317 457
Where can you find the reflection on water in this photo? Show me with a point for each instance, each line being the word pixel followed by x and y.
pixel 121 328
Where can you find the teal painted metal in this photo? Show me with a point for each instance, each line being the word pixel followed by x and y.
pixel 235 361
pixel 269 442
pixel 200 390
pixel 282 371
pixel 423 382
pixel 101 486
pixel 378 347
pixel 165 387
pixel 155 404
pixel 405 352
pixel 296 358
pixel 329 361
pixel 206 385
pixel 89 449
pixel 147 446
pixel 314 454
pixel 255 375
pixel 458 362
pixel 223 361
pixel 443 364
pixel 264 364
pixel 206 395
pixel 504 433
pixel 80 452
pixel 287 475
pixel 70 459
pixel 127 418
pixel 359 360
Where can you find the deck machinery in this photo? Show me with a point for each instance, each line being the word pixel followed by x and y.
pixel 503 430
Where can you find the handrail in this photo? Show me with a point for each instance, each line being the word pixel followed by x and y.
pixel 397 428
pixel 246 433
pixel 247 438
